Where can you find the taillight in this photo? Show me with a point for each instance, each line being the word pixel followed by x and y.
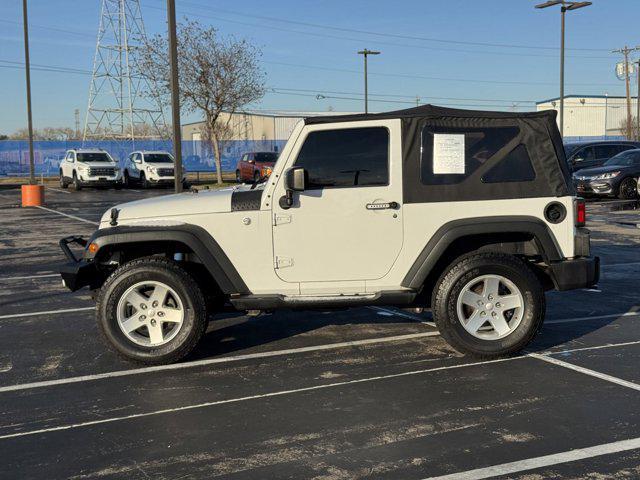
pixel 581 213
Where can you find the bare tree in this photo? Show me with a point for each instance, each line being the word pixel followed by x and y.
pixel 632 130
pixel 218 75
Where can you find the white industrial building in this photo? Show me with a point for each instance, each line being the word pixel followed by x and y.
pixel 591 117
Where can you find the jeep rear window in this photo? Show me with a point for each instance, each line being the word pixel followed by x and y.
pixel 480 144
pixel 93 157
pixel 354 157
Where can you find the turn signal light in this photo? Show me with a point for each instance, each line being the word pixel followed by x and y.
pixel 581 213
pixel 93 248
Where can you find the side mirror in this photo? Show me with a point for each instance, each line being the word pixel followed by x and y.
pixel 295 180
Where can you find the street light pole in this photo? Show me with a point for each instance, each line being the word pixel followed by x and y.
pixel 565 6
pixel 175 94
pixel 27 71
pixel 366 52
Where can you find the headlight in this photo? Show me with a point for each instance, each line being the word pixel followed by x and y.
pixel 151 169
pixel 606 176
pixel 83 168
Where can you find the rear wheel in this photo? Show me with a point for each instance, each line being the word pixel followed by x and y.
pixel 152 311
pixel 628 189
pixel 489 305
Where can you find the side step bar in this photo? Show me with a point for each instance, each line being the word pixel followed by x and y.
pixel 311 302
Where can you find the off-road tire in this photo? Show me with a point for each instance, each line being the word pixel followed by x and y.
pixel 464 270
pixel 63 184
pixel 628 189
pixel 77 186
pixel 162 270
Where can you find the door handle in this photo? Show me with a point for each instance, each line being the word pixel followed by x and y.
pixel 383 206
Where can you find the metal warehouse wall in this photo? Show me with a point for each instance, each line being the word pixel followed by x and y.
pixel 593 117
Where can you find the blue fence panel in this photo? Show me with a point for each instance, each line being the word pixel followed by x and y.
pixel 196 154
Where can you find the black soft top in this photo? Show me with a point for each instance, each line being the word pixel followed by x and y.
pixel 537 133
pixel 428 111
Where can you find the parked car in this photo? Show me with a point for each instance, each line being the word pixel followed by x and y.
pixel 84 167
pixel 149 168
pixel 618 177
pixel 253 166
pixel 593 154
pixel 378 209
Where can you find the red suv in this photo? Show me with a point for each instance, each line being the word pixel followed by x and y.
pixel 255 165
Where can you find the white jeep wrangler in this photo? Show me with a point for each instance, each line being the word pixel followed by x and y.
pixel 471 214
pixel 89 167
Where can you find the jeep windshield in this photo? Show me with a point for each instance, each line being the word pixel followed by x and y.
pixel 157 158
pixel 266 157
pixel 94 157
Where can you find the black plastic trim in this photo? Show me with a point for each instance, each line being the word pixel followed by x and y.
pixel 196 238
pixel 245 200
pixel 576 273
pixel 456 229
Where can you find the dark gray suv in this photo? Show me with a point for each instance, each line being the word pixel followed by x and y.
pixel 593 154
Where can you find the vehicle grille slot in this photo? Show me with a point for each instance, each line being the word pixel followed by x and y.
pixel 101 171
pixel 165 172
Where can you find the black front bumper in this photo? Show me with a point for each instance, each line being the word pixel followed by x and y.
pixel 77 273
pixel 582 272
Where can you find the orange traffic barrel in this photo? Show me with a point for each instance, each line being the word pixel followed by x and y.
pixel 32 195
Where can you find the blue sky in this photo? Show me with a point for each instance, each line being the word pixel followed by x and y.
pixel 445 60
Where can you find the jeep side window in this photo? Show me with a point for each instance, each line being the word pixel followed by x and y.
pixel 353 157
pixel 515 167
pixel 480 144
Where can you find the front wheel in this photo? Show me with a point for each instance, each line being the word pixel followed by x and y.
pixel 143 180
pixel 76 182
pixel 152 311
pixel 238 177
pixel 489 305
pixel 628 189
pixel 63 184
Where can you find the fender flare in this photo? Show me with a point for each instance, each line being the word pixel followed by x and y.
pixel 451 231
pixel 196 238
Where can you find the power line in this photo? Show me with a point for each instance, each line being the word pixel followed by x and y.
pixel 386 34
pixel 354 39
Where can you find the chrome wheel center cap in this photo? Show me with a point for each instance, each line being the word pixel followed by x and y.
pixel 488 306
pixel 152 313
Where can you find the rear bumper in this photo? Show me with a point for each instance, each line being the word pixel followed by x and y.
pixel 582 272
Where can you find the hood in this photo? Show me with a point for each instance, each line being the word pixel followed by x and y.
pixel 588 172
pixel 173 207
pixel 160 165
pixel 97 164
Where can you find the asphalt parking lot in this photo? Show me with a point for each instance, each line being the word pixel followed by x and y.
pixel 360 393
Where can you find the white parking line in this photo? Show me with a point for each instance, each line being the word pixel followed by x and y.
pixel 544 461
pixel 212 361
pixel 251 397
pixel 58 190
pixel 30 277
pixel 46 312
pixel 67 215
pixel 599 347
pixel 586 371
pixel 595 317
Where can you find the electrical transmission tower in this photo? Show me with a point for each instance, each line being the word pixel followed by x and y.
pixel 120 104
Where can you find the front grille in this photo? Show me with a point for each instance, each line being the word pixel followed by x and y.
pixel 102 172
pixel 165 172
